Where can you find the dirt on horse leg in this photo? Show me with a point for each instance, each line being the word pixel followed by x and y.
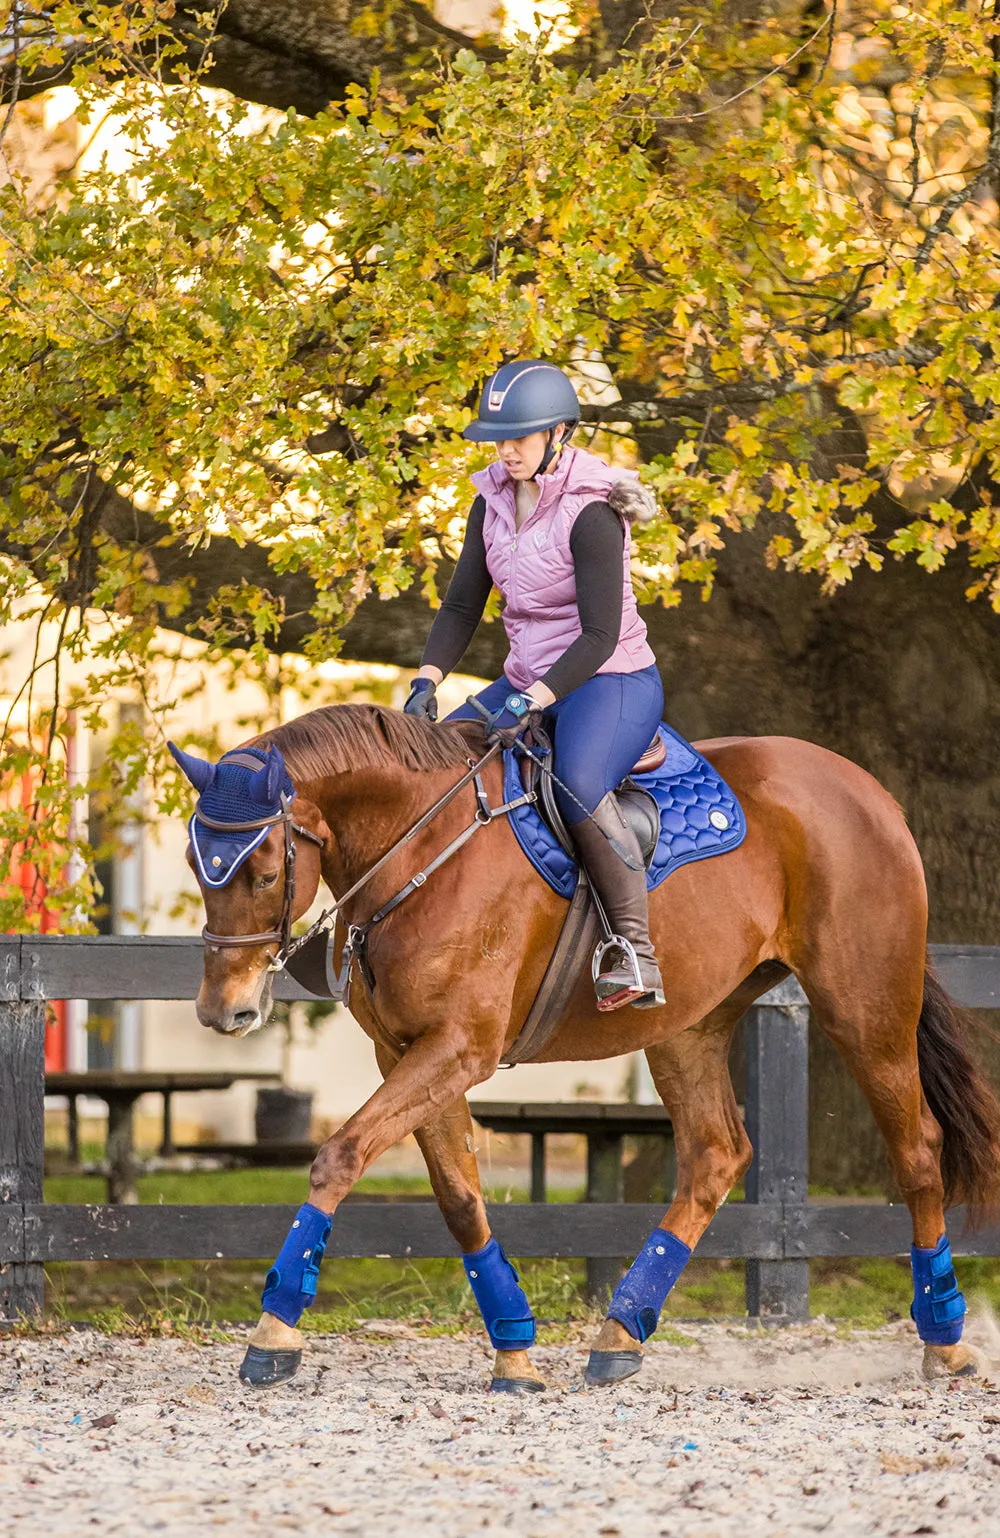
pixel 448 1147
pixel 691 1074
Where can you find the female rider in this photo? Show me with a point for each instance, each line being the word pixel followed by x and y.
pixel 550 528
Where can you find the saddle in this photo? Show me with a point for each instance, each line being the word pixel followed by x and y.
pixel 680 809
pixel 639 808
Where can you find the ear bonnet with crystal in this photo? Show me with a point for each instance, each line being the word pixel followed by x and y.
pixel 245 787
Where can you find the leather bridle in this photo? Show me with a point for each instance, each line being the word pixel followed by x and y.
pixel 357 933
pixel 283 933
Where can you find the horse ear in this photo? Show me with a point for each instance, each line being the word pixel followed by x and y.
pixel 267 782
pixel 198 770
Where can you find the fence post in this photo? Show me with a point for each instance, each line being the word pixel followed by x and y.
pixel 22 1124
pixel 777 1122
pixel 605 1183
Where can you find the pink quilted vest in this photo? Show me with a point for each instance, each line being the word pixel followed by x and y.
pixel 533 566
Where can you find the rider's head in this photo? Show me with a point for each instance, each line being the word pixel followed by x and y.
pixel 529 410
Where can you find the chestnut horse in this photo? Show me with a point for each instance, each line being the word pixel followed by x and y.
pixel 827 885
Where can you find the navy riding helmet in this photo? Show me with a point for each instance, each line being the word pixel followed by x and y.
pixel 530 396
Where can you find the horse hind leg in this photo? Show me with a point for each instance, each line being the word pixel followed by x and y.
pixel 691 1074
pixel 879 1045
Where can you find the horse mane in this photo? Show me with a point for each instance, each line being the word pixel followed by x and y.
pixel 338 738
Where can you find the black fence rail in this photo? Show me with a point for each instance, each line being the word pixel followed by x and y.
pixel 776 1230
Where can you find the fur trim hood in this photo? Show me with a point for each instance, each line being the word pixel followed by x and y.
pixel 632 501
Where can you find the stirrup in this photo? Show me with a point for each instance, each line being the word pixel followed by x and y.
pixel 621 995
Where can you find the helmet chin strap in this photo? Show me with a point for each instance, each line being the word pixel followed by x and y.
pixel 551 450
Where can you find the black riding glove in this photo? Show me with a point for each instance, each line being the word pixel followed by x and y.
pixel 421 700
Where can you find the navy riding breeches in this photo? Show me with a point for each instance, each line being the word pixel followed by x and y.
pixel 598 731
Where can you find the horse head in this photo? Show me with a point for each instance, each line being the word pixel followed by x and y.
pixel 255 847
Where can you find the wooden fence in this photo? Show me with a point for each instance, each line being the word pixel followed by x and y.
pixel 776 1229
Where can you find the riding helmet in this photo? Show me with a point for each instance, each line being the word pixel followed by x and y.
pixel 522 398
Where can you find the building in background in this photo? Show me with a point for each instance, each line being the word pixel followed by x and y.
pixel 148 888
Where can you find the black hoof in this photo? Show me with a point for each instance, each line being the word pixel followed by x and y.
pixel 516 1386
pixel 263 1369
pixel 606 1367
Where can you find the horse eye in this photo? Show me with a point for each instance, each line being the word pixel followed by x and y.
pixel 263 882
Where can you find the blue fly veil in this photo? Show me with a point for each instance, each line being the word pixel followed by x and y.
pixel 246 788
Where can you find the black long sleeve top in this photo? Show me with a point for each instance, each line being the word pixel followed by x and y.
pixel 596 543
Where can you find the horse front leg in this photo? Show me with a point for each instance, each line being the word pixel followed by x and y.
pixel 420 1091
pixel 691 1074
pixel 448 1147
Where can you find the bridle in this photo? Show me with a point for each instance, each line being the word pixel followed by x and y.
pixel 356 933
pixel 283 933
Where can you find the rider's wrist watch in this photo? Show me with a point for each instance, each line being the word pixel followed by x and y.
pixel 520 704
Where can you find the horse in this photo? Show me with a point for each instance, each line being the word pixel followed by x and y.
pixel 827 885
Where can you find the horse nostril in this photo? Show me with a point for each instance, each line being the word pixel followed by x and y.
pixel 244 1019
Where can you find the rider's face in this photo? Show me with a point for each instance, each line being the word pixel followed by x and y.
pixel 521 457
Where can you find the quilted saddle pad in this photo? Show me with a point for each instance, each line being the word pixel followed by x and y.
pixel 699 817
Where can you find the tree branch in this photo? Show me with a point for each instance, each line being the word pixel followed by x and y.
pixel 751 392
pixel 280 53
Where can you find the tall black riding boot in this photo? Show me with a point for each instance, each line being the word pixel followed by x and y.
pixel 623 893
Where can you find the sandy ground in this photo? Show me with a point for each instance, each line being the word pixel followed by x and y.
pixel 738 1433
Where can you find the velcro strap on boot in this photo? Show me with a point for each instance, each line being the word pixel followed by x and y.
pixel 290 1285
pixel 506 1311
pixel 642 1291
pixel 938 1309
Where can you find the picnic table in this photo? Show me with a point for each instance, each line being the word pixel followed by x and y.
pixel 605 1125
pixel 120 1090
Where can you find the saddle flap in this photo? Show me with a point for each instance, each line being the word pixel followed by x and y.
pixel 642 815
pixel 638 808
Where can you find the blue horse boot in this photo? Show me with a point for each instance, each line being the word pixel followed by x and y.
pixel 634 1310
pixel 507 1316
pixel 275 1351
pixel 938 1312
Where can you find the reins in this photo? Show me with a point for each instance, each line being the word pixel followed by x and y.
pixel 357 934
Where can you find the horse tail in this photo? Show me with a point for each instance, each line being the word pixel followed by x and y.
pixel 962 1102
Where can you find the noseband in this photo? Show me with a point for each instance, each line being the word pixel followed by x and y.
pixel 283 934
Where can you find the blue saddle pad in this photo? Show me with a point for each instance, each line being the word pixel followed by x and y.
pixel 699 817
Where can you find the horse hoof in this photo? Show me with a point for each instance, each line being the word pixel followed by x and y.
pixel 516 1386
pixel 265 1369
pixel 606 1367
pixel 950 1362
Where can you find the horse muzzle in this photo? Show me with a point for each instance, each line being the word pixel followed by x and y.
pixel 237 1017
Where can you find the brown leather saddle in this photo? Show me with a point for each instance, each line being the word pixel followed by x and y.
pixel 638 806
